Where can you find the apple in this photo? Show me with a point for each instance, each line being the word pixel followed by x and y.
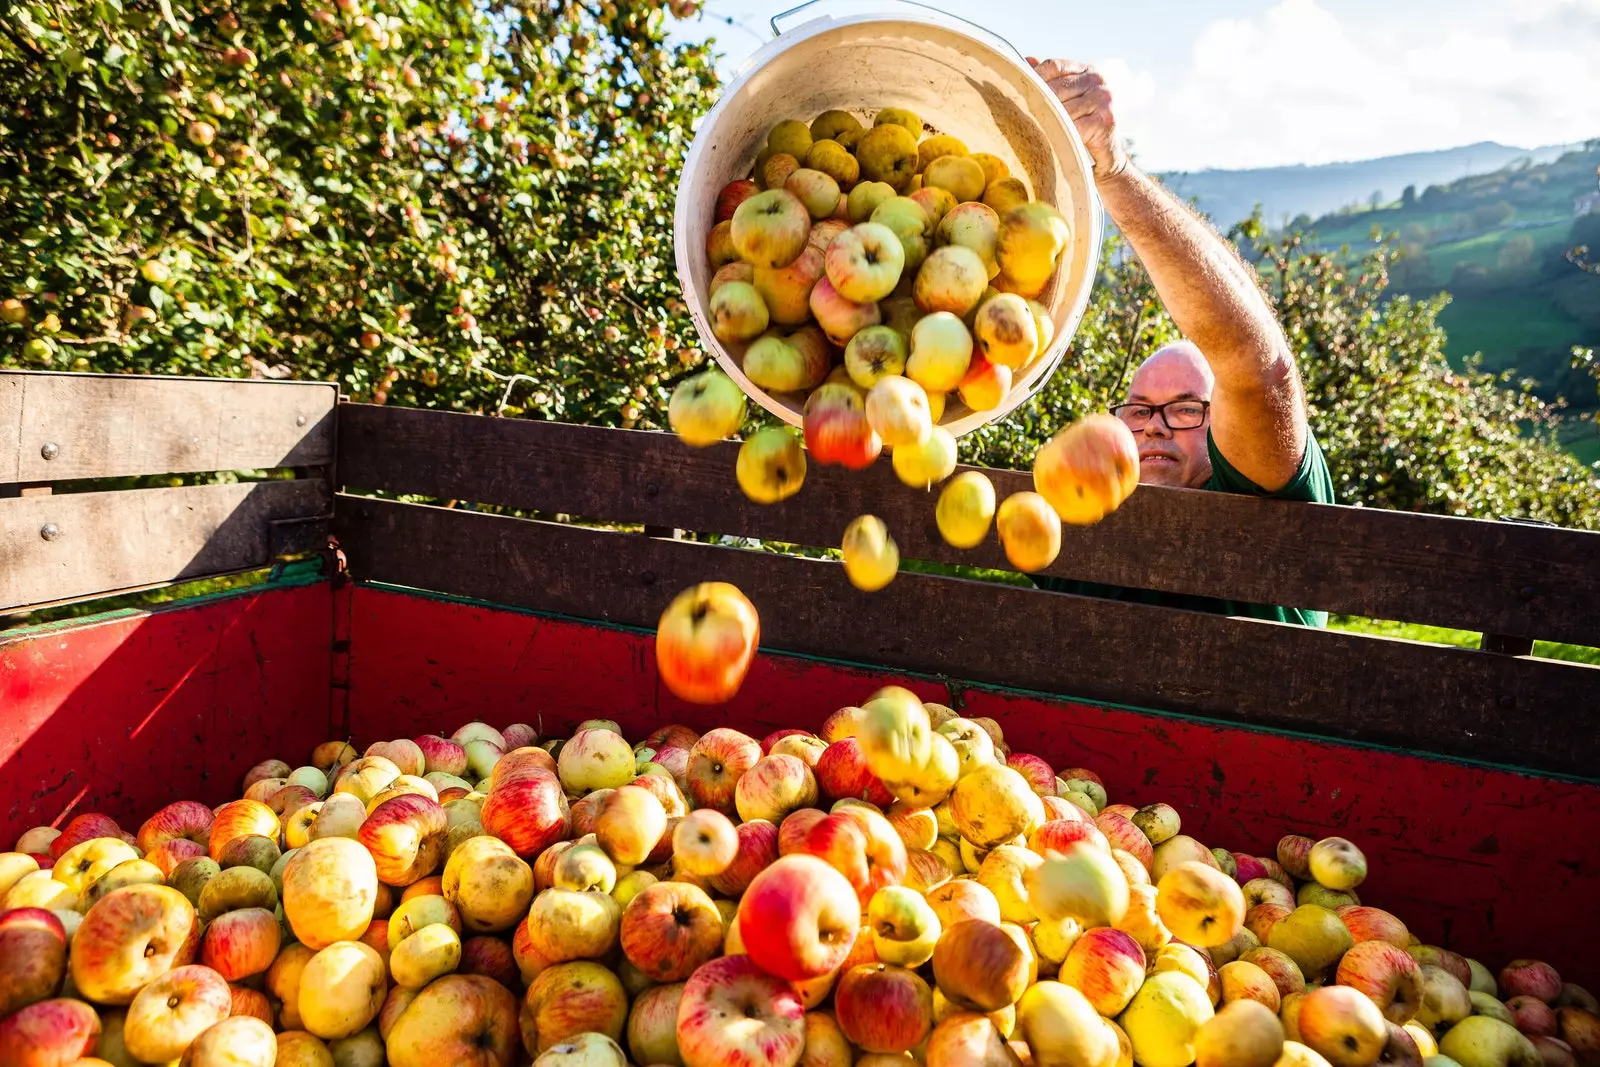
pixel 825 1044
pixel 1005 331
pixel 935 203
pixel 842 771
pixel 489 884
pixel 33 957
pixel 864 263
pixel 653 1024
pixel 773 787
pixel 1389 976
pixel 865 198
pixel 732 195
pixel 953 279
pixel 241 943
pixel 807 748
pixel 1580 1029
pixel 1032 238
pixel 1164 1017
pixel 85 827
pixel 1312 936
pixel 928 462
pixel 1059 1026
pixel 941 352
pixel 1107 966
pixel 777 168
pixel 128 938
pixel 1532 978
pixel 836 427
pixel 839 318
pixel 595 759
pixel 786 291
pixel 49 1033
pixel 516 761
pixel 1087 470
pixel 1084 884
pixel 799 918
pixel 912 228
pixel 737 312
pixel 961 175
pixel 1030 532
pixel 824 231
pixel 237 1041
pixel 330 890
pixel 979 965
pixel 770 1027
pixel 182 820
pixel 860 844
pixel 1444 1001
pixel 883 1008
pixel 818 191
pixel 758 847
pixel 1267 891
pixel 705 641
pixel 771 466
pixel 993 804
pixel 1121 833
pixel 458 1019
pixel 905 928
pixel 566 925
pixel 871 558
pixel 770 228
pixel 1242 1034
pixel 1005 192
pixel 402 752
pixel 1242 980
pixel 1342 1024
pixel 630 823
pixel 1479 1041
pixel 240 818
pixel 670 929
pixel 1337 864
pixel 705 842
pixel 167 1015
pixel 873 354
pixel 405 836
pixel 706 408
pixel 722 755
pixel 432 951
pixel 1200 904
pixel 1532 1016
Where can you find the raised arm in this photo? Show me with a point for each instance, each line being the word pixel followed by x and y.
pixel 1258 416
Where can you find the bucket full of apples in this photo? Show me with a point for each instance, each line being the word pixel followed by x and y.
pixel 888 196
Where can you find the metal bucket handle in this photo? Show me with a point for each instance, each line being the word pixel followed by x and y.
pixel 778 32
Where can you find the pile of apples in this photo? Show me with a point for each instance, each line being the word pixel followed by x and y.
pixel 897 888
pixel 868 273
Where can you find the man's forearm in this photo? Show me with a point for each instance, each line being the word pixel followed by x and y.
pixel 1213 298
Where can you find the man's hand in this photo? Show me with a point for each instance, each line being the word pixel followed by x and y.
pixel 1087 99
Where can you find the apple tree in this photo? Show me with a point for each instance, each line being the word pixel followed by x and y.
pixel 444 203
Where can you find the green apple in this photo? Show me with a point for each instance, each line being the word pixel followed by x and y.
pixel 771 465
pixel 961 176
pixel 865 198
pixel 910 224
pixel 830 124
pixel 974 226
pixel 706 408
pixel 873 354
pixel 737 312
pixel 789 364
pixel 941 352
pixel 791 136
pixel 888 153
pixel 926 464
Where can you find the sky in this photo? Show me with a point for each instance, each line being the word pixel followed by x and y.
pixel 1253 83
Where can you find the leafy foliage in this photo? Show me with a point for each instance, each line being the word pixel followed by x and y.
pixel 421 199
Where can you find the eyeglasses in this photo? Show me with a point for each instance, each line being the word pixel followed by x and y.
pixel 1175 415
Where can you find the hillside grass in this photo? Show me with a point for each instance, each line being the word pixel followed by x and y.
pixel 1500 323
pixel 1439 635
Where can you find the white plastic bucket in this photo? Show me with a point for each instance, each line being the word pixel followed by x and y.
pixel 960 80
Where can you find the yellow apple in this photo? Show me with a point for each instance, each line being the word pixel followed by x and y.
pixel 341 989
pixel 961 175
pixel 873 354
pixel 432 951
pixel 897 408
pixel 927 462
pixel 864 262
pixel 1006 331
pixel 1061 1027
pixel 941 352
pixel 737 312
pixel 1164 1018
pixel 1030 531
pixel 871 558
pixel 706 408
pixel 771 466
pixel 952 279
pixel 965 509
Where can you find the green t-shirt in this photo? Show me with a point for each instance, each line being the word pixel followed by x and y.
pixel 1311 482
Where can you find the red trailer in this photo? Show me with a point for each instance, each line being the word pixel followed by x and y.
pixel 513 571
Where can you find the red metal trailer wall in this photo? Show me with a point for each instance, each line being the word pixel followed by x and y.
pixel 1496 864
pixel 127 714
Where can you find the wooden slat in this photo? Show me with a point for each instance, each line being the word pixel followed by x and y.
pixel 1447 701
pixel 1503 578
pixel 109 426
pixel 110 542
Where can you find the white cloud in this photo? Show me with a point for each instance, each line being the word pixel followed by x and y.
pixel 1297 84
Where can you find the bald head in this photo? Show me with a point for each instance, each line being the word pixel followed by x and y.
pixel 1175 373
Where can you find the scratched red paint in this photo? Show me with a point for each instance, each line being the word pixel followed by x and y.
pixel 126 715
pixel 1493 863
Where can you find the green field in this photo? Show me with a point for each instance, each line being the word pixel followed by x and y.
pixel 1501 323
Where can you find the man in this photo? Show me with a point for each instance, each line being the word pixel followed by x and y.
pixel 1224 410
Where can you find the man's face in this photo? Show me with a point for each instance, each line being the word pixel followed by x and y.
pixel 1168 456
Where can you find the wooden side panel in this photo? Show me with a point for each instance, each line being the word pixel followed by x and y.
pixel 128 714
pixel 62 547
pixel 1485 861
pixel 1502 578
pixel 105 426
pixel 1448 701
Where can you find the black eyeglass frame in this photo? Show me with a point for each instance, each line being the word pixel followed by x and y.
pixel 1161 410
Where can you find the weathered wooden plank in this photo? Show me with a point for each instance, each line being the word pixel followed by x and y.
pixel 1503 578
pixel 69 426
pixel 1446 701
pixel 77 545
